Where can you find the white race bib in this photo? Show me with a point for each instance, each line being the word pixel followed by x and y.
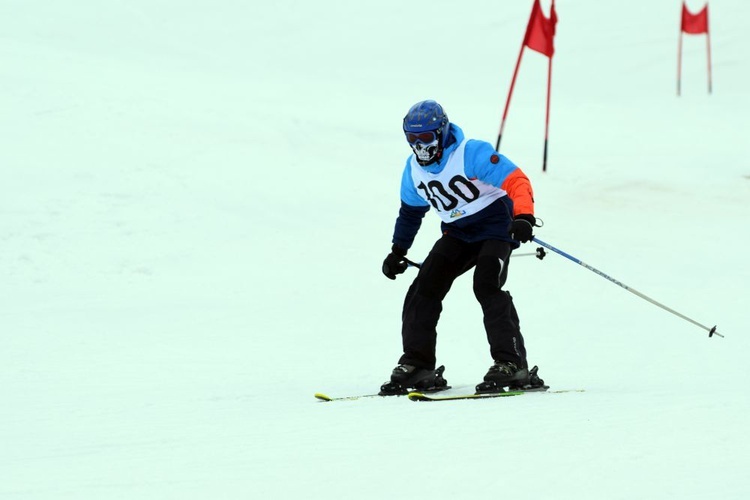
pixel 451 192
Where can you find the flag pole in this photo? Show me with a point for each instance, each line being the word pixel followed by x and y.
pixel 510 93
pixel 708 48
pixel 679 61
pixel 546 124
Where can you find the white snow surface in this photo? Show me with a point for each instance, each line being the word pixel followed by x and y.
pixel 197 197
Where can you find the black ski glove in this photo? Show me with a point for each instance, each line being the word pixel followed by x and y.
pixel 395 263
pixel 522 228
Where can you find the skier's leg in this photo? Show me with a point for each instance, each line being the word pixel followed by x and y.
pixel 424 301
pixel 517 321
pixel 500 317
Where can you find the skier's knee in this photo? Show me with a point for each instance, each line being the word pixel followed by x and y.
pixel 488 277
pixel 435 277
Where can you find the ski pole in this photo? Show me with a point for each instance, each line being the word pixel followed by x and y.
pixel 711 331
pixel 539 254
pixel 418 265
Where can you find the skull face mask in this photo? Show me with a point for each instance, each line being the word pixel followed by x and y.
pixel 425 153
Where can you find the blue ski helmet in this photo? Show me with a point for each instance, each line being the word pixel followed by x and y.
pixel 426 127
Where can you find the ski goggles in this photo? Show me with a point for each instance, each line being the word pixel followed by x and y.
pixel 423 137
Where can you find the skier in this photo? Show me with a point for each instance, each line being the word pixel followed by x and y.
pixel 486 204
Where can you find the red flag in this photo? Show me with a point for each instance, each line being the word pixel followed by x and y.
pixel 694 24
pixel 540 32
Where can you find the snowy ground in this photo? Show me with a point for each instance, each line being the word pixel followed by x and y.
pixel 197 198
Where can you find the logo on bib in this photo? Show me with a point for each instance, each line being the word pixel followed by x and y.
pixel 457 213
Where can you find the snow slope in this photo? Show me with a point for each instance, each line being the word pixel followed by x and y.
pixel 197 198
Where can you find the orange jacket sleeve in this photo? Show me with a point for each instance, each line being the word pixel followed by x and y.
pixel 518 187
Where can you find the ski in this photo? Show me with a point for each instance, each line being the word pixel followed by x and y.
pixel 418 396
pixel 323 397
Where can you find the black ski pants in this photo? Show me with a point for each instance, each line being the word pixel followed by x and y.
pixel 448 259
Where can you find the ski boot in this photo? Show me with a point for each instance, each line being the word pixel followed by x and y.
pixel 405 377
pixel 502 374
pixel 534 383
